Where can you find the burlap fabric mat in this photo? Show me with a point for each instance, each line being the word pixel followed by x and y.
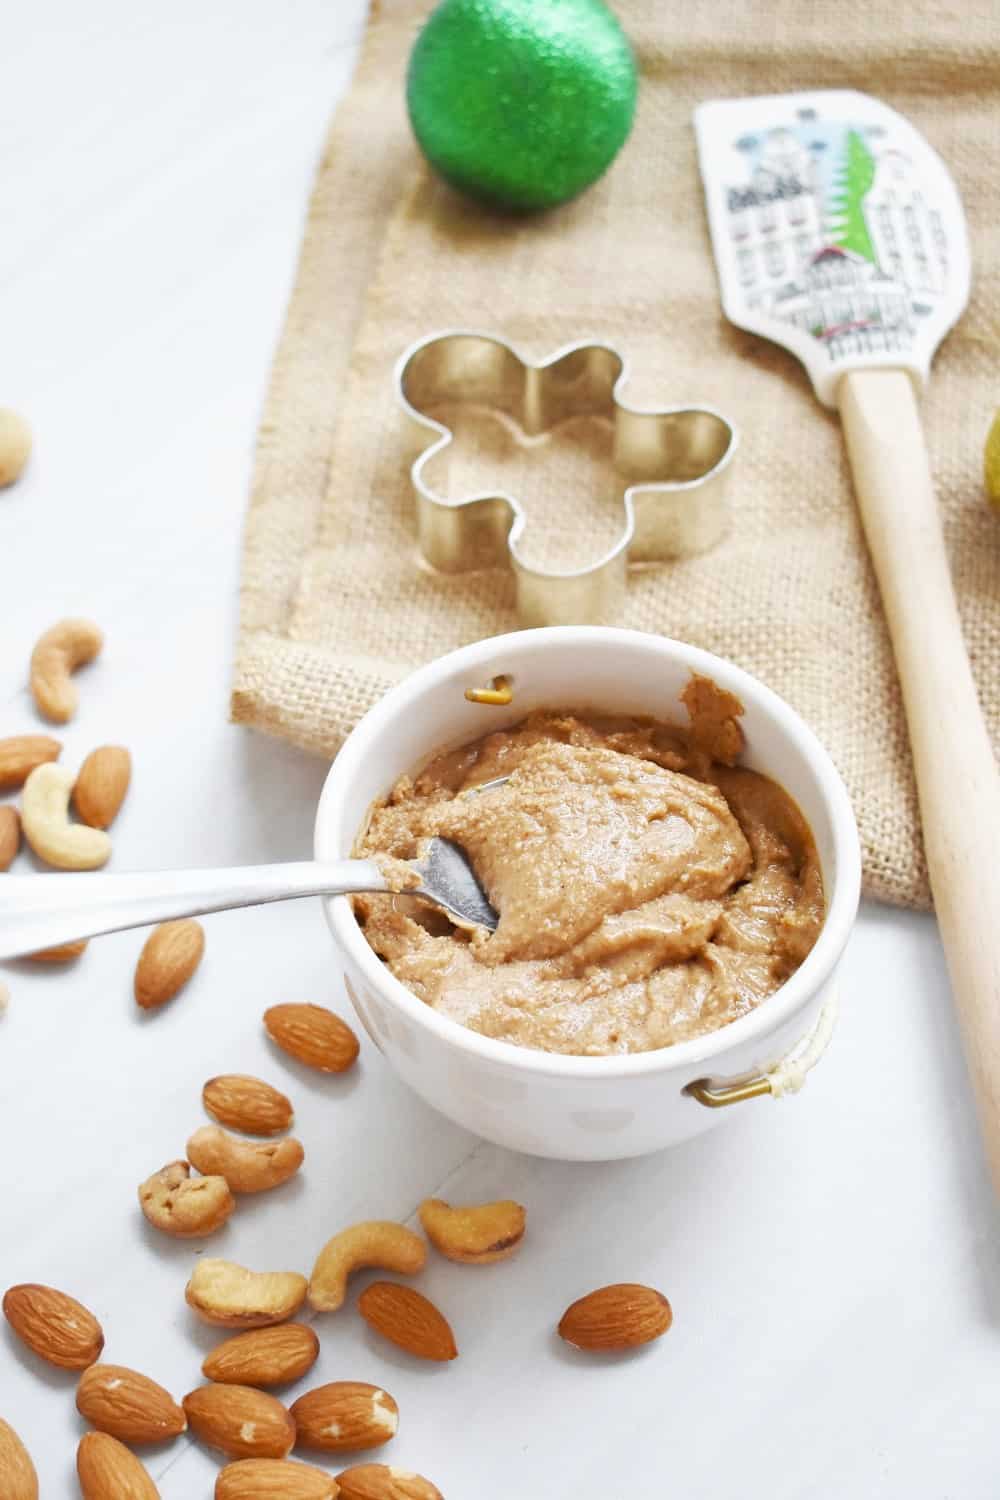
pixel 335 605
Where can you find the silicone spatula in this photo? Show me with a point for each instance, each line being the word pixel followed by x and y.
pixel 838 233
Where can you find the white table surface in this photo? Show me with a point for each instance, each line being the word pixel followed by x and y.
pixel 832 1260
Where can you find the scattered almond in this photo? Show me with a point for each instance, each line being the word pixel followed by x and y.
pixel 248 1104
pixel 475 1234
pixel 248 1166
pixel 15 445
pixel 312 1035
pixel 185 1206
pixel 64 954
pixel 384 1482
pixel 408 1319
pixel 58 653
pixel 55 1326
pixel 233 1297
pixel 374 1242
pixel 616 1317
pixel 128 1405
pixel 168 959
pixel 10 836
pixel 17 1473
pixel 345 1414
pixel 107 1470
pixel 240 1421
pixel 101 784
pixel 263 1356
pixel 273 1479
pixel 21 753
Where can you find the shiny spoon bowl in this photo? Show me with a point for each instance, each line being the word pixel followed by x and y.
pixel 44 911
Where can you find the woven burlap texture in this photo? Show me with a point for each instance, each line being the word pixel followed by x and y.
pixel 336 606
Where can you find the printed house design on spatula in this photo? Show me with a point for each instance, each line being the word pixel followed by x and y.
pixel 832 233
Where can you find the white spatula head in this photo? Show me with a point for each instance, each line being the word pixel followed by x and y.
pixel 837 230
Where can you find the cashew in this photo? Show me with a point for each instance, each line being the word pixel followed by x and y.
pixel 46 825
pixel 185 1206
pixel 248 1166
pixel 15 445
pixel 63 648
pixel 375 1242
pixel 233 1297
pixel 476 1233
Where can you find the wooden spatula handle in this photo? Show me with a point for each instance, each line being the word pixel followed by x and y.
pixel 957 778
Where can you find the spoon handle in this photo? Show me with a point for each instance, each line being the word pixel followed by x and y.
pixel 43 911
pixel 956 772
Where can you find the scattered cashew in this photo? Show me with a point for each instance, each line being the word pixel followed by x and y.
pixel 375 1242
pixel 476 1233
pixel 63 648
pixel 15 445
pixel 248 1166
pixel 185 1206
pixel 233 1297
pixel 46 824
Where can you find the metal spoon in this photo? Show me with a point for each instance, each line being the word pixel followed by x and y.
pixel 42 911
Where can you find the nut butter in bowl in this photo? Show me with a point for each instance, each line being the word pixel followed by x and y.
pixel 649 889
pixel 674 864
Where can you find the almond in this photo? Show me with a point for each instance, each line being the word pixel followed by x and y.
pixel 312 1035
pixel 21 753
pixel 345 1414
pixel 101 785
pixel 230 1295
pixel 408 1319
pixel 169 957
pixel 616 1317
pixel 18 1478
pixel 240 1421
pixel 385 1482
pixel 128 1405
pixel 10 836
pixel 64 954
pixel 248 1166
pixel 475 1233
pixel 107 1470
pixel 187 1207
pixel 247 1104
pixel 263 1356
pixel 57 1327
pixel 273 1479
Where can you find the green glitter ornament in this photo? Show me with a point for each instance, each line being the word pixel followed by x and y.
pixel 523 103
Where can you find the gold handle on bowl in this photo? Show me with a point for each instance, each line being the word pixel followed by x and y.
pixel 786 1076
pixel 498 693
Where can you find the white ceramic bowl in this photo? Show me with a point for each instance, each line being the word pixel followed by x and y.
pixel 579 1108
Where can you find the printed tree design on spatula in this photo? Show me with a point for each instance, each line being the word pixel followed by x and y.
pixel 855 175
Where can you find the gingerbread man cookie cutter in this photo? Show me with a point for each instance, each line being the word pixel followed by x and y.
pixel 675 463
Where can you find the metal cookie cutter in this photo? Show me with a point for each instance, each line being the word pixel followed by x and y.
pixel 676 463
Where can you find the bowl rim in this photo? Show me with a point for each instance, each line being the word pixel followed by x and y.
pixel 695 1054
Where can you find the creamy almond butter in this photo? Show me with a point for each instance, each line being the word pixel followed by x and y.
pixel 649 889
